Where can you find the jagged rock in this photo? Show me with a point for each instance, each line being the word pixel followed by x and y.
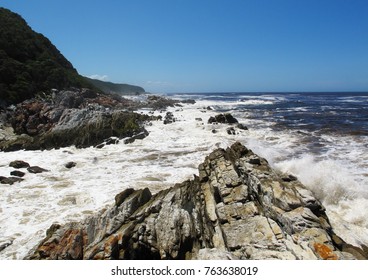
pixel 223 118
pixel 19 164
pixel 36 169
pixel 233 210
pixel 71 117
pixel 17 173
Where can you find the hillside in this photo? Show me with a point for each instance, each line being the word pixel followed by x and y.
pixel 30 63
pixel 109 87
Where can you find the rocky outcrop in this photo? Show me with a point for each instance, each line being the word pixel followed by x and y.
pixel 223 118
pixel 80 117
pixel 77 117
pixel 237 208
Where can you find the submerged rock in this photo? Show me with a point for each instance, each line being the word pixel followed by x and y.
pixel 237 208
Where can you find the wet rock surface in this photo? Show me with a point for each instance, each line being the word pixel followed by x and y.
pixel 233 210
pixel 223 118
pixel 9 180
pixel 79 117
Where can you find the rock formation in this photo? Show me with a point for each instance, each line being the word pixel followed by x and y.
pixel 237 208
pixel 77 117
pixel 223 118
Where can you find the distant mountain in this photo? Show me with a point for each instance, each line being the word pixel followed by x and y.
pixel 109 87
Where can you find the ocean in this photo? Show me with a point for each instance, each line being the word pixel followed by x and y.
pixel 321 138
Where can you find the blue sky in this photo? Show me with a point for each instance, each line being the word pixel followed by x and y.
pixel 210 45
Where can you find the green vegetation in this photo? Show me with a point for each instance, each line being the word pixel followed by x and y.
pixel 30 63
pixel 109 87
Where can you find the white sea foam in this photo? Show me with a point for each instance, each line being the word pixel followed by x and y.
pixel 170 154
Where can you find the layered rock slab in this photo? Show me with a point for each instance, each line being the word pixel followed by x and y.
pixel 237 208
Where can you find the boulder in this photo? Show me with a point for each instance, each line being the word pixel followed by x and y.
pixel 9 180
pixel 223 118
pixel 36 169
pixel 234 209
pixel 70 164
pixel 19 164
pixel 17 173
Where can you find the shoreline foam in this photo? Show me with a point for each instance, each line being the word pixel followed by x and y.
pixel 170 154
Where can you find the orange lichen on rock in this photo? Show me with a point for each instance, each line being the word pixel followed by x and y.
pixel 324 251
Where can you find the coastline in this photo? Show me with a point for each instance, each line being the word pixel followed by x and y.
pixel 170 154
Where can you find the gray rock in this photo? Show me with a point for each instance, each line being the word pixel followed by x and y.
pixel 74 117
pixel 169 118
pixel 138 136
pixel 17 173
pixel 36 169
pixel 242 126
pixel 9 180
pixel 70 164
pixel 233 210
pixel 223 118
pixel 230 131
pixel 19 164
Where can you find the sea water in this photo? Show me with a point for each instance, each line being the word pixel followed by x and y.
pixel 320 138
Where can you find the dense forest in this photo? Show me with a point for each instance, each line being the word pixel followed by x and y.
pixel 29 63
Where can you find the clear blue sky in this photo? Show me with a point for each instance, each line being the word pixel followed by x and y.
pixel 210 45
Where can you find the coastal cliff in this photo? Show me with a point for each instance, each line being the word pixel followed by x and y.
pixel 237 208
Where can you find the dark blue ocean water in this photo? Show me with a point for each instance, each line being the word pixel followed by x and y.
pixel 320 113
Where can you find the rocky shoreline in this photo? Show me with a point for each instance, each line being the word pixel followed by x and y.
pixel 237 208
pixel 79 117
